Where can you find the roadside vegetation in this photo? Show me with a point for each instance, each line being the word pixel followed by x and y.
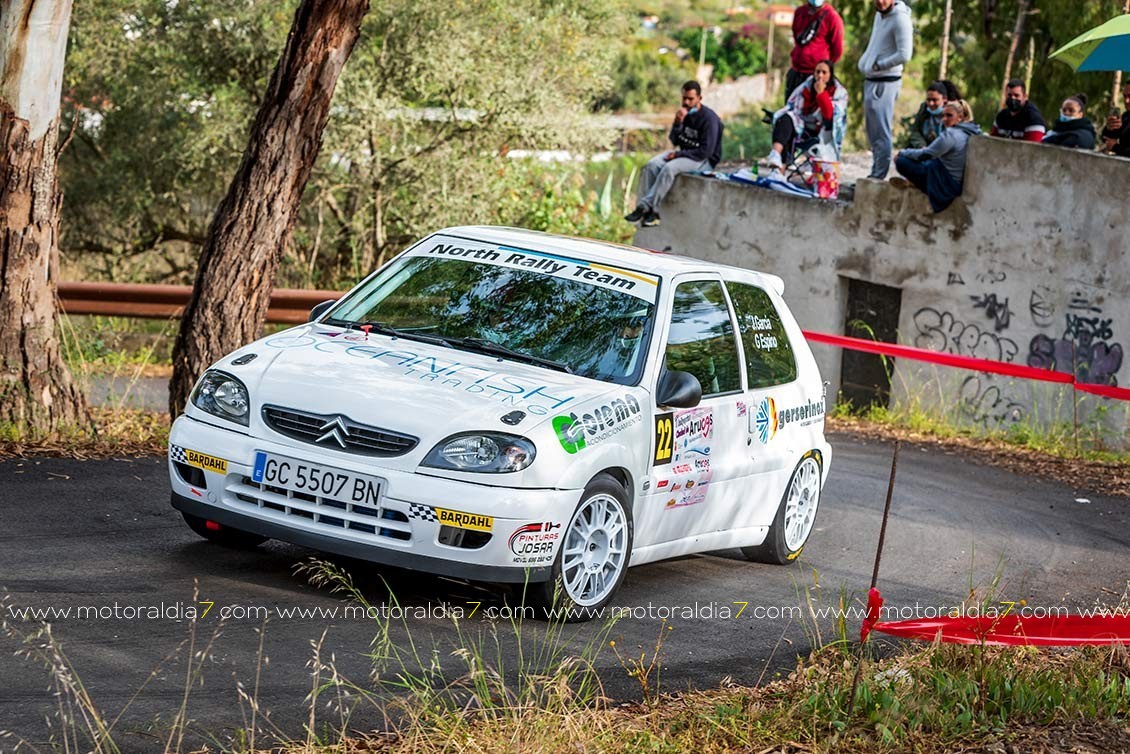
pixel 421 697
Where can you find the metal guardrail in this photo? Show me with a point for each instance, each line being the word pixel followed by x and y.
pixel 288 305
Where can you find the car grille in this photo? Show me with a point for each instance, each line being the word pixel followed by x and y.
pixel 323 511
pixel 337 432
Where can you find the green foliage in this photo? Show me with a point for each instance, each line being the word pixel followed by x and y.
pixel 433 97
pixel 734 55
pixel 163 93
pixel 746 138
pixel 981 34
pixel 644 78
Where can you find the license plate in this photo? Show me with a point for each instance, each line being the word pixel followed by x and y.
pixel 313 479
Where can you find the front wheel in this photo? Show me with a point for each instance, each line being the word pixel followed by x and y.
pixel 593 557
pixel 795 517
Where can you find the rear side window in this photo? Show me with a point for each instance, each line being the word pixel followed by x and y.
pixel 702 339
pixel 769 357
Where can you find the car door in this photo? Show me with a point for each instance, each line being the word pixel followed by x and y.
pixel 699 454
pixel 772 388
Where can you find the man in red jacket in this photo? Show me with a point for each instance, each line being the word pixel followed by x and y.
pixel 818 34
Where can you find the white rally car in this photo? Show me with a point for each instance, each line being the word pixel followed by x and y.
pixel 502 405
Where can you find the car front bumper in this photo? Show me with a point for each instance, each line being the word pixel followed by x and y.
pixel 403 532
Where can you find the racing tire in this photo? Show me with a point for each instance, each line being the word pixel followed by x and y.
pixel 795 517
pixel 592 560
pixel 224 535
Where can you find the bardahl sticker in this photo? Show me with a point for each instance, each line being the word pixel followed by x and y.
pixel 638 284
pixel 461 520
pixel 199 460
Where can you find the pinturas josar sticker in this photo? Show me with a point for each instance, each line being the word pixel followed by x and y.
pixel 534 543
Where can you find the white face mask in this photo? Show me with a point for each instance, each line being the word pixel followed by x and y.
pixel 816 3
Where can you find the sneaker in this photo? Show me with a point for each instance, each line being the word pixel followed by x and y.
pixel 774 159
pixel 899 182
pixel 636 215
pixel 650 220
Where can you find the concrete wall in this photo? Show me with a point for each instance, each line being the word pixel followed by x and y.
pixel 1027 267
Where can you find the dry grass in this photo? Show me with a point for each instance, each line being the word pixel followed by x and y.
pixel 114 433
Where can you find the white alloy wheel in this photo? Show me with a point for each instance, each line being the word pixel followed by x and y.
pixel 795 516
pixel 800 504
pixel 595 551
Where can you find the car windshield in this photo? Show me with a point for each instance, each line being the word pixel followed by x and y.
pixel 563 313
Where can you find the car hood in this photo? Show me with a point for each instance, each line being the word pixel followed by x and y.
pixel 403 385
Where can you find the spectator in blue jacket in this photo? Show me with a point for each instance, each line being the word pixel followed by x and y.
pixel 697 137
pixel 939 169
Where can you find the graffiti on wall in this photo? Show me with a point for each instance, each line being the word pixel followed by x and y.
pixel 995 309
pixel 944 332
pixel 1086 348
pixel 986 404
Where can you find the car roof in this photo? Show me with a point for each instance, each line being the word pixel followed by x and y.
pixel 614 254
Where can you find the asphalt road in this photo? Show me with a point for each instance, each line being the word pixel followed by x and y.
pixel 100 533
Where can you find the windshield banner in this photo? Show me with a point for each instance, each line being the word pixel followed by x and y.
pixel 637 284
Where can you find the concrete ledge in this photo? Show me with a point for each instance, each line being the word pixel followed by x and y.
pixel 1028 266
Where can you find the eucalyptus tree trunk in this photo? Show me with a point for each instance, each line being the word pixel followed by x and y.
pixel 37 394
pixel 254 222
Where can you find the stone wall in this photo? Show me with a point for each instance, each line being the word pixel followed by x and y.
pixel 1027 267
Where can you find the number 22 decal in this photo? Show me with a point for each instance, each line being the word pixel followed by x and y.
pixel 664 438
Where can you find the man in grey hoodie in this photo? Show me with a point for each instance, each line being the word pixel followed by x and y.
pixel 890 47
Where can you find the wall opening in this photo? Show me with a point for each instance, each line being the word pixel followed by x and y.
pixel 872 313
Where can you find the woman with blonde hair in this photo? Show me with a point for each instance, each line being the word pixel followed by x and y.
pixel 939 169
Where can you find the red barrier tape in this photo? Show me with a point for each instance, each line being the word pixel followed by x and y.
pixel 1016 630
pixel 967 362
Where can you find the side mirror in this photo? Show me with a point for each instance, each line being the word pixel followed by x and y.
pixel 678 390
pixel 321 309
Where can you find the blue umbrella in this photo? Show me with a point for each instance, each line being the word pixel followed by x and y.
pixel 1103 48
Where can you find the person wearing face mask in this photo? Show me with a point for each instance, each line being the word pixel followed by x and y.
pixel 1019 119
pixel 939 169
pixel 927 123
pixel 818 107
pixel 1072 129
pixel 818 34
pixel 890 47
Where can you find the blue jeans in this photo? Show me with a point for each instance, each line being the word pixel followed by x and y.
pixel 932 178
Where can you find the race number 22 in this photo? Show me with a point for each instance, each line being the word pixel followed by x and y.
pixel 664 438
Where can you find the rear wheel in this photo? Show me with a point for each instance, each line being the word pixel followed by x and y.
pixel 795 517
pixel 593 557
pixel 223 535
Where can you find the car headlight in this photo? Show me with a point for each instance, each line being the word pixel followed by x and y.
pixel 488 452
pixel 222 395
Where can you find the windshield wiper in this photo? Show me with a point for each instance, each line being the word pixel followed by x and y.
pixel 489 346
pixel 386 329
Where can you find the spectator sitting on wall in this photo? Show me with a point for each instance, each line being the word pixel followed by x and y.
pixel 816 108
pixel 1073 129
pixel 1116 135
pixel 818 34
pixel 697 136
pixel 1019 119
pixel 939 169
pixel 927 123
